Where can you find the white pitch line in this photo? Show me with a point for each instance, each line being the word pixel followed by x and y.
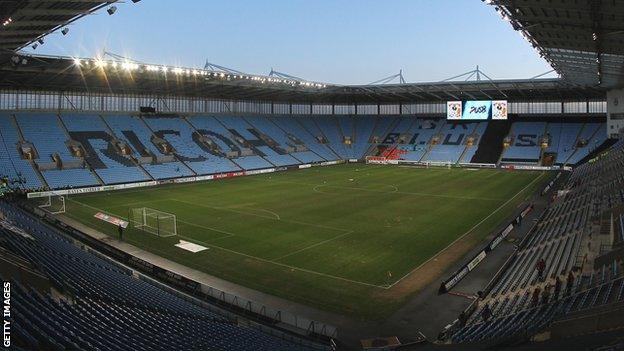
pixel 466 233
pixel 228 234
pixel 253 257
pixel 261 216
pixel 288 266
pixel 314 245
pixel 316 189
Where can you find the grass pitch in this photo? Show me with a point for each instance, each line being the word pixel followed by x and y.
pixel 339 238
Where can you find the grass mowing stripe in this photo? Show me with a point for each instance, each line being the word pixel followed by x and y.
pixel 247 255
pixel 261 216
pixel 228 234
pixel 394 191
pixel 468 232
pixel 334 249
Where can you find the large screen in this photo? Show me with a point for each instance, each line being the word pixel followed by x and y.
pixel 472 110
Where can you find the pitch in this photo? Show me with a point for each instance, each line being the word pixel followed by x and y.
pixel 353 238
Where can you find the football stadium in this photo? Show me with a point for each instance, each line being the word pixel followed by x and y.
pixel 149 206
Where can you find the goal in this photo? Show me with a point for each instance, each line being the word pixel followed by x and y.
pixel 153 221
pixel 54 204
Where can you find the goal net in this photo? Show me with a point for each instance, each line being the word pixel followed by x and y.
pixel 153 221
pixel 54 204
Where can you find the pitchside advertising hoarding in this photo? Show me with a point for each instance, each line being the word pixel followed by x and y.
pixel 473 110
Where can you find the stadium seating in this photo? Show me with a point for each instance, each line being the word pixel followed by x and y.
pixel 260 147
pixel 97 304
pixel 525 146
pixel 452 143
pixel 179 133
pixel 329 127
pixel 423 131
pixel 82 149
pixel 593 134
pixel 12 163
pixel 294 126
pixel 362 133
pixel 135 133
pixel 565 145
pixel 48 135
pixel 591 189
pixel 283 139
pixel 471 150
pixel 95 137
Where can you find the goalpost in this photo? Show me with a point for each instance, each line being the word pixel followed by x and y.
pixel 153 221
pixel 54 204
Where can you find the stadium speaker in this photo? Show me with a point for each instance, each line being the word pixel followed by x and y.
pixel 147 109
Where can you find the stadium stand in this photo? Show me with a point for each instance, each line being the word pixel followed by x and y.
pixel 12 162
pixel 239 128
pixel 87 149
pixel 523 300
pixel 362 133
pixel 97 141
pixel 525 144
pixel 135 133
pixel 476 139
pixel 591 137
pixel 451 142
pixel 293 126
pixel 286 141
pixel 95 304
pixel 420 143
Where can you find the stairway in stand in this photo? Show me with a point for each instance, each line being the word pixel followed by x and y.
pixel 491 143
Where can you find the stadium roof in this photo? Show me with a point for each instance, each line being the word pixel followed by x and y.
pixel 582 40
pixel 23 22
pixel 129 77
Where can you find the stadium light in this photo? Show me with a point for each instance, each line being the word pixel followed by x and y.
pixel 7 22
pixel 111 10
pixel 99 63
pixel 40 41
pixel 77 62
pixel 34 46
pixel 65 31
pixel 129 66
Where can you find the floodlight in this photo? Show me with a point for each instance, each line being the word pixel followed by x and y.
pixel 77 62
pixel 65 31
pixel 111 10
pixel 40 41
pixel 100 63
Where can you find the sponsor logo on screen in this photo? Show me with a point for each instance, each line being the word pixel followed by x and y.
pixel 476 110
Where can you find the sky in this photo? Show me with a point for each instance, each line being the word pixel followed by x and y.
pixel 333 41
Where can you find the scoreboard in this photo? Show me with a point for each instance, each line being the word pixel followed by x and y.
pixel 474 110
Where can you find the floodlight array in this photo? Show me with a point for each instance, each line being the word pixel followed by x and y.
pixel 132 66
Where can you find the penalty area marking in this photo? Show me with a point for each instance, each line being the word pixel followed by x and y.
pixel 254 257
pixel 227 234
